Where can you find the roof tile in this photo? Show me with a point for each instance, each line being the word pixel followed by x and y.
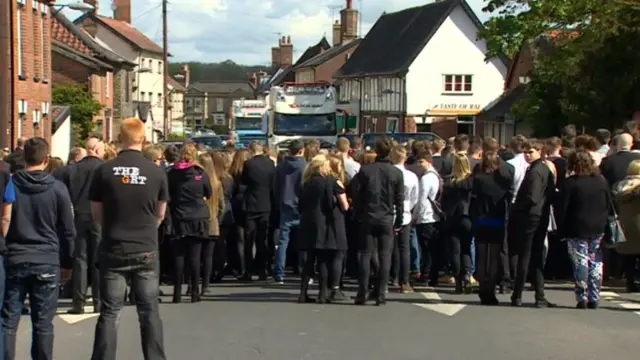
pixel 62 34
pixel 131 33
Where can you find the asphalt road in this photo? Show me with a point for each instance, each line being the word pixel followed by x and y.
pixel 259 321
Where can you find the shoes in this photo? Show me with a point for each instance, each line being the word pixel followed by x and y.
pixel 76 310
pixel 544 303
pixel 337 295
pixel 581 305
pixel 406 288
pixel 592 305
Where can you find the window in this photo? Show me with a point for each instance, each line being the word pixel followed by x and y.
pixel 44 45
pixel 219 105
pixel 107 85
pixel 458 83
pixel 20 27
pixel 151 98
pixel 159 67
pixel 160 100
pixel 35 21
pixel 143 96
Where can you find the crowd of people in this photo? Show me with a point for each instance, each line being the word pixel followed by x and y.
pixel 466 212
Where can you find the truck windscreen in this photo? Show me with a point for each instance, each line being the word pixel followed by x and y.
pixel 304 124
pixel 245 123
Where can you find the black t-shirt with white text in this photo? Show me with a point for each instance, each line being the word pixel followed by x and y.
pixel 129 188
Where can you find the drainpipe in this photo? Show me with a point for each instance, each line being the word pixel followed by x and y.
pixel 6 77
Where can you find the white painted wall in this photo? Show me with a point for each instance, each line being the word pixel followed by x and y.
pixel 453 50
pixel 61 140
pixel 147 82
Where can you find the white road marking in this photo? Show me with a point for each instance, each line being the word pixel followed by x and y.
pixel 438 306
pixel 61 313
pixel 616 299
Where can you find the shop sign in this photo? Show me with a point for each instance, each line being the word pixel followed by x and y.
pixel 461 106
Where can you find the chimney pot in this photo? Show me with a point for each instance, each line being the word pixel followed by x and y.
pixel 349 3
pixel 288 39
pixel 283 40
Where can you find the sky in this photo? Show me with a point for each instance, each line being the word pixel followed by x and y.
pixel 245 30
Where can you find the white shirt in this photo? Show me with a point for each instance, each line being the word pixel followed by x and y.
pixel 520 166
pixel 351 167
pixel 411 189
pixel 429 185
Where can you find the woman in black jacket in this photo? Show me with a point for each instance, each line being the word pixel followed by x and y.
pixel 321 204
pixel 237 200
pixel 491 196
pixel 456 197
pixel 581 218
pixel 189 187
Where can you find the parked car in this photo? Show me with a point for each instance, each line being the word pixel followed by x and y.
pixel 213 142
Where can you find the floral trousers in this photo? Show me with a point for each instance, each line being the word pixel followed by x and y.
pixel 586 255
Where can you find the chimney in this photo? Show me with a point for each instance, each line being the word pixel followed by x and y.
pixel 337 39
pixel 187 74
pixel 90 26
pixel 286 52
pixel 254 80
pixel 348 23
pixel 275 56
pixel 122 11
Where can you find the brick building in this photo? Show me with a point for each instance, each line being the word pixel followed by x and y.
pixel 77 59
pixel 25 49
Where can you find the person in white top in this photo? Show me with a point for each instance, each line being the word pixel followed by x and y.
pixel 351 167
pixel 427 216
pixel 402 251
pixel 518 162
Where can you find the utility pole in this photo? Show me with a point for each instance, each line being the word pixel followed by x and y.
pixel 165 59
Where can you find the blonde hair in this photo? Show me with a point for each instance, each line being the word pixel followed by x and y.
pixel 336 164
pixel 398 154
pixel 153 152
pixel 221 162
pixel 241 156
pixel 189 153
pixel 213 203
pixel 634 168
pixel 461 167
pixel 54 164
pixel 132 131
pixel 315 167
pixel 109 152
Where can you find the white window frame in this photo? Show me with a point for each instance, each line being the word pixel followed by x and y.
pixel 463 83
pixel 107 85
pixel 143 96
pixel 43 44
pixel 219 105
pixel 20 12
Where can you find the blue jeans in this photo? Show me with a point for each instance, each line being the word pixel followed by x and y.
pixel 41 282
pixel 142 270
pixel 288 221
pixel 415 251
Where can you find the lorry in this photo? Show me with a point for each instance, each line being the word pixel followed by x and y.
pixel 248 121
pixel 303 111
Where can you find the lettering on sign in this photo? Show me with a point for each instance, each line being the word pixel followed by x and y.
pixel 457 107
pixel 309 105
pixel 307 90
pixel 129 175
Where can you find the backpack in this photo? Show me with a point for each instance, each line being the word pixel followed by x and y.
pixel 435 203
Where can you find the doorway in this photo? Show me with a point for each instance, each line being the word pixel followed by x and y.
pixel 466 125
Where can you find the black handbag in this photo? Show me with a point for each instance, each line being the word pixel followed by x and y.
pixel 613 234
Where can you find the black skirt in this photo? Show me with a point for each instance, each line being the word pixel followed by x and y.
pixel 191 228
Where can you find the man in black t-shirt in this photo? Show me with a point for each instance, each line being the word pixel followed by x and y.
pixel 129 199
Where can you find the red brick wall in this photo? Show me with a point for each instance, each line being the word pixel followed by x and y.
pixel 69 72
pixel 445 127
pixel 35 61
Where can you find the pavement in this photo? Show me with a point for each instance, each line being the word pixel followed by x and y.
pixel 263 321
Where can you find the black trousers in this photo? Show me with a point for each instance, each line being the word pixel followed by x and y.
pixel 527 252
pixel 192 252
pixel 376 241
pixel 401 265
pixel 256 231
pixel 432 249
pixel 489 243
pixel 85 263
pixel 329 263
pixel 459 236
pixel 220 252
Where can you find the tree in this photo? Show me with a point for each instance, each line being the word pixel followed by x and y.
pixel 226 70
pixel 585 69
pixel 83 107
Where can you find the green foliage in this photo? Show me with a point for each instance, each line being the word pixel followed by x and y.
pixel 83 108
pixel 176 136
pixel 226 70
pixel 585 69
